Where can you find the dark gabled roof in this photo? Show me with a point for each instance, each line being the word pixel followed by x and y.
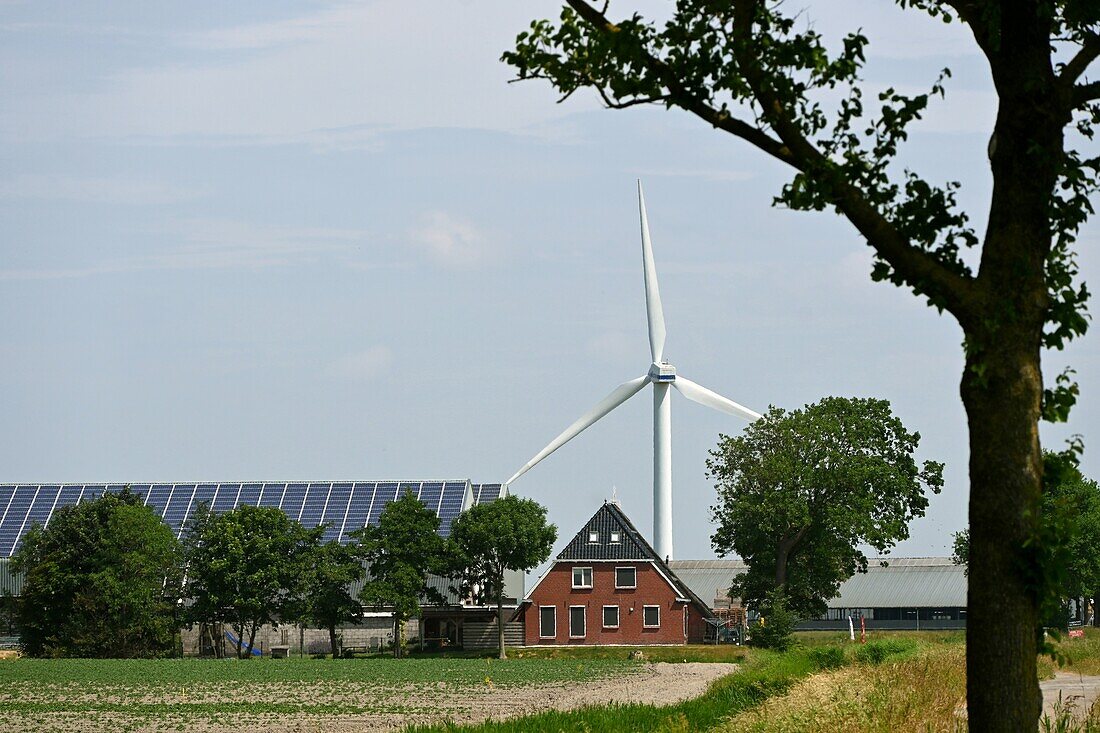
pixel 631 546
pixel 609 518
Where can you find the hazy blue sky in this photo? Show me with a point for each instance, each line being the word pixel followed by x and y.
pixel 275 240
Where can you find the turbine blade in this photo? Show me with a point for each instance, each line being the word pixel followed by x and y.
pixel 654 312
pixel 619 395
pixel 702 395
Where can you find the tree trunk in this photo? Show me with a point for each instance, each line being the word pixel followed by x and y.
pixel 1001 390
pixel 397 623
pixel 500 616
pixel 332 639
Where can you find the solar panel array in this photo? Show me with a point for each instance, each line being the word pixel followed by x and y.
pixel 344 506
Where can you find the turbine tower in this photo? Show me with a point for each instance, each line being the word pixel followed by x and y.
pixel 662 376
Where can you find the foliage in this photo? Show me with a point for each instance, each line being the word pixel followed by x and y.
pixel 774 629
pixel 488 539
pixel 759 71
pixel 102 580
pixel 799 491
pixel 400 553
pixel 1068 538
pixel 878 651
pixel 245 568
pixel 327 602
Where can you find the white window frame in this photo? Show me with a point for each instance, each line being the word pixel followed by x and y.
pixel 542 634
pixel 593 537
pixel 616 537
pixel 626 567
pixel 581 585
pixel 651 626
pixel 584 618
pixel 603 617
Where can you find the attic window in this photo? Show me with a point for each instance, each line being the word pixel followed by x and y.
pixel 615 537
pixel 593 536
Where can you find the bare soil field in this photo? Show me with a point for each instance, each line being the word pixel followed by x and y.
pixel 366 702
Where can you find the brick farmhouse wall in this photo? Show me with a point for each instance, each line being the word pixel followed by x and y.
pixel 556 589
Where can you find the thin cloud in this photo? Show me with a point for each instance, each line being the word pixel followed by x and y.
pixel 95 190
pixel 450 241
pixel 368 364
pixel 220 245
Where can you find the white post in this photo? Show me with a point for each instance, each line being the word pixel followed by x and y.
pixel 662 470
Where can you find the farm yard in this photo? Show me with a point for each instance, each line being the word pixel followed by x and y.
pixel 308 694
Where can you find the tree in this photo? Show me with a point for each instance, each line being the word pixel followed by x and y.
pixel 245 568
pixel 327 600
pixel 755 70
pixel 401 552
pixel 101 580
pixel 488 539
pixel 1071 526
pixel 799 491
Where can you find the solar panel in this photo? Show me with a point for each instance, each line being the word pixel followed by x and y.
pixel 250 494
pixel 336 510
pixel 314 506
pixel 271 495
pixel 179 503
pixel 157 497
pixel 358 506
pixel 293 500
pixel 384 494
pixel 344 506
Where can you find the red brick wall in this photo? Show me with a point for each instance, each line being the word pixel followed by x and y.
pixel 556 589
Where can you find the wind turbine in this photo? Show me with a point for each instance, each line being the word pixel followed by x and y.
pixel 661 375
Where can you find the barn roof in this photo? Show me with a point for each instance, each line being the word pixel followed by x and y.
pixel 913 582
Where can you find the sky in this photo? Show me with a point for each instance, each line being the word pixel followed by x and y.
pixel 330 241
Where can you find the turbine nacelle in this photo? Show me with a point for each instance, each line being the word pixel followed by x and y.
pixel 662 373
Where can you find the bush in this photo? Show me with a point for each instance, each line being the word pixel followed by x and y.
pixel 827 657
pixel 877 652
pixel 776 624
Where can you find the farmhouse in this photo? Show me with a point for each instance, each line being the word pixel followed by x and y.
pixel 608 586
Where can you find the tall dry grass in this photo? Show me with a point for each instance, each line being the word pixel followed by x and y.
pixel 920 693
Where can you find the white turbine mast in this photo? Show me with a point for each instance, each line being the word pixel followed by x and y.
pixel 661 375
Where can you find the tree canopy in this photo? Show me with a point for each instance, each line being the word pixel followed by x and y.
pixel 401 553
pixel 245 568
pixel 102 580
pixel 799 491
pixel 758 71
pixel 489 539
pixel 327 601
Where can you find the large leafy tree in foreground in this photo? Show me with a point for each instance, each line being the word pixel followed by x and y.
pixel 401 553
pixel 757 71
pixel 800 491
pixel 246 568
pixel 102 580
pixel 489 539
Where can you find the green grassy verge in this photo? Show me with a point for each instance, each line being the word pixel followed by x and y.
pixel 763 675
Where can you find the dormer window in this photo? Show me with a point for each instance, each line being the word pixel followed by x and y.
pixel 593 536
pixel 616 537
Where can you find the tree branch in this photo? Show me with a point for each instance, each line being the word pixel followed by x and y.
pixel 1085 55
pixel 1083 93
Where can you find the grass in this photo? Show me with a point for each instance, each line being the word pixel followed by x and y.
pixel 764 675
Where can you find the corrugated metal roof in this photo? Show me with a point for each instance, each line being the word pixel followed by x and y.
pixel 11 583
pixel 917 582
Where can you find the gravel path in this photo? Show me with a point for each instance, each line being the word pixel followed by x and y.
pixel 1078 692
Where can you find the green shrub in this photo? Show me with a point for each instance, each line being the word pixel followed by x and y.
pixel 877 652
pixel 827 657
pixel 776 625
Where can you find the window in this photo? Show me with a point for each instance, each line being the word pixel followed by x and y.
pixel 576 622
pixel 582 577
pixel 616 536
pixel 651 616
pixel 626 577
pixel 548 622
pixel 611 617
pixel 593 536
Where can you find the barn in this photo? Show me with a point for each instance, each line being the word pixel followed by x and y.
pixel 609 587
